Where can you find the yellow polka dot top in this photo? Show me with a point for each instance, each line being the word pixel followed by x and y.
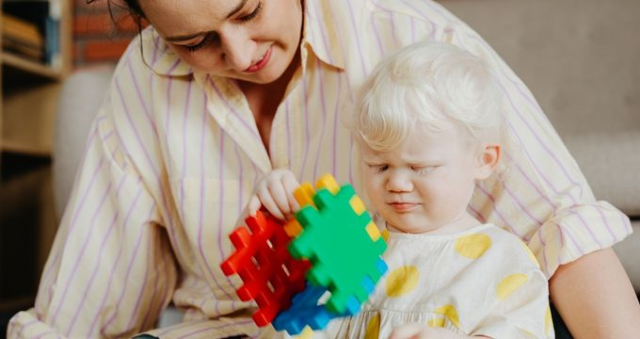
pixel 483 281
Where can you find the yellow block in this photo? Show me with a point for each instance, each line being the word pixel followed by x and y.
pixel 329 182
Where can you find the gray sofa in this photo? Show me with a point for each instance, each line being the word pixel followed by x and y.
pixel 580 58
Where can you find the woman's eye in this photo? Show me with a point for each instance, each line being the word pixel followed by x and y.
pixel 253 14
pixel 204 42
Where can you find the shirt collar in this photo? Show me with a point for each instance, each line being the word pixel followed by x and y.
pixel 319 33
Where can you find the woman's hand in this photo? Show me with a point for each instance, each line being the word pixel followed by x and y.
pixel 275 193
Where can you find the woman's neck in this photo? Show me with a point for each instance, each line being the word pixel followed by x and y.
pixel 264 99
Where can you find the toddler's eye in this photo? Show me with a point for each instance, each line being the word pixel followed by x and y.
pixel 379 168
pixel 423 170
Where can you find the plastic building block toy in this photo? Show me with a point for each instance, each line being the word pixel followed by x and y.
pixel 306 310
pixel 271 276
pixel 344 249
pixel 343 244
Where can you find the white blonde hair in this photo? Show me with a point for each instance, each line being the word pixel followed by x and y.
pixel 430 85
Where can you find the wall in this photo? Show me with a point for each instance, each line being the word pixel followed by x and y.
pixel 97 39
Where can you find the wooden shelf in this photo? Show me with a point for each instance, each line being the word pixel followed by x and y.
pixel 29 66
pixel 30 90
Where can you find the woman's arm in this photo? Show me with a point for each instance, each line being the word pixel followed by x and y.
pixel 595 298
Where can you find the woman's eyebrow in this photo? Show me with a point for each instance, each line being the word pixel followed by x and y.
pixel 194 35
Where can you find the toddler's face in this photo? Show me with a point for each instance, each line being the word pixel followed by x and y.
pixel 425 184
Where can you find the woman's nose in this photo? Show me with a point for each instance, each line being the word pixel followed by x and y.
pixel 399 181
pixel 237 50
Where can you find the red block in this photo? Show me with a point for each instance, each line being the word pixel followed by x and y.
pixel 271 276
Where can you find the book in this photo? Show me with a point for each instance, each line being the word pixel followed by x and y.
pixel 45 16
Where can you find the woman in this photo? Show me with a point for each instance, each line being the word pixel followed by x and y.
pixel 218 93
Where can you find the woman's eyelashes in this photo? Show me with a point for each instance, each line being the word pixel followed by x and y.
pixel 205 41
pixel 213 37
pixel 253 14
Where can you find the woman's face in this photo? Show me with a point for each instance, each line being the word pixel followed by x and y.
pixel 248 40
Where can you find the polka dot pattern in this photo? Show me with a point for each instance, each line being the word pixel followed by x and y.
pixel 510 284
pixel 473 246
pixel 450 313
pixel 373 328
pixel 402 280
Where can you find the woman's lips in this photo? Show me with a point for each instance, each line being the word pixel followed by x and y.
pixel 261 63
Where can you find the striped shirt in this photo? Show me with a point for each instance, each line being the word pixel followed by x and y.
pixel 174 154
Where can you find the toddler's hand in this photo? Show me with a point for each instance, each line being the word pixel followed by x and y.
pixel 275 193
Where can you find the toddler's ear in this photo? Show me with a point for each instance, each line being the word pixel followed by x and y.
pixel 488 160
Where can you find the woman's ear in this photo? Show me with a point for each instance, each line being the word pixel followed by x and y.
pixel 488 160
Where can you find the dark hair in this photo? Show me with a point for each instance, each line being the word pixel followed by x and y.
pixel 134 11
pixel 132 6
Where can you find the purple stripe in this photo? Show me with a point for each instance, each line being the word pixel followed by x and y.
pixel 477 214
pixel 241 183
pixel 183 172
pixel 307 138
pixel 56 258
pixel 521 205
pixel 115 264
pixel 432 6
pixel 413 29
pixel 584 222
pixel 545 261
pixel 321 146
pixel 392 22
pixel 605 221
pixel 288 133
pixel 167 118
pixel 570 237
pixel 425 17
pixel 174 66
pixel 245 124
pixel 337 115
pixel 355 29
pixel 547 181
pixel 141 100
pixel 320 28
pixel 126 277
pixel 135 314
pixel 41 335
pixel 525 94
pixel 202 195
pixel 80 255
pixel 342 47
pixel 376 33
pixel 154 58
pixel 27 325
pixel 479 188
pixel 543 145
pixel 135 130
pixel 98 266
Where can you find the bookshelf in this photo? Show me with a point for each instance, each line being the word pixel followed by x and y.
pixel 31 78
pixel 30 85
